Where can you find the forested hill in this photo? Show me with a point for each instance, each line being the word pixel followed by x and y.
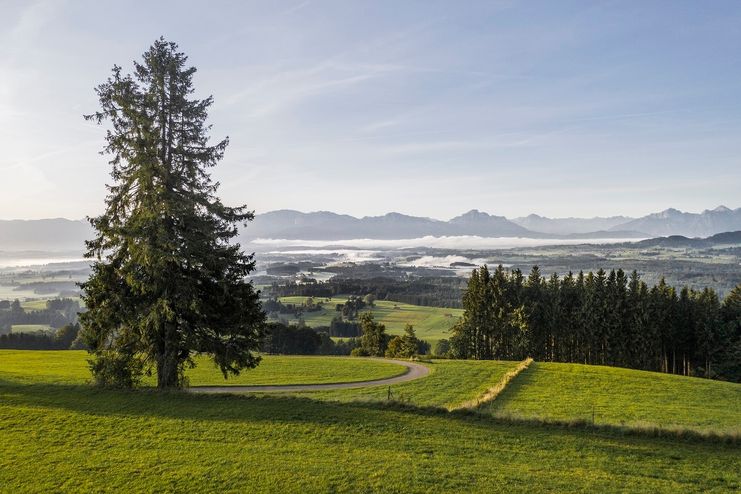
pixel 679 241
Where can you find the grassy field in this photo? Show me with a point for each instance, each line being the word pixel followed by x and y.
pixel 37 304
pixel 29 328
pixel 431 323
pixel 67 438
pixel 57 435
pixel 617 396
pixel 70 367
pixel 450 383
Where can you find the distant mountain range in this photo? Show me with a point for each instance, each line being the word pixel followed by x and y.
pixel 64 235
pixel 569 226
pixel 324 225
pixel 675 222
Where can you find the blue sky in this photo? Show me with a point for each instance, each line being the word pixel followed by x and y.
pixel 429 108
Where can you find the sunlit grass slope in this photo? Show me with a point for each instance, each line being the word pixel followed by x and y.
pixel 70 367
pixel 449 383
pixel 618 396
pixel 72 438
pixel 431 323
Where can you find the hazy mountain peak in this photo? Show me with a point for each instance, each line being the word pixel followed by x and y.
pixel 399 216
pixel 674 222
pixel 472 215
pixel 667 213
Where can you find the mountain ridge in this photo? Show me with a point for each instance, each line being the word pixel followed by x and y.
pixel 672 221
pixel 61 234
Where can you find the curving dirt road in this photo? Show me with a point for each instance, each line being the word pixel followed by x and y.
pixel 414 371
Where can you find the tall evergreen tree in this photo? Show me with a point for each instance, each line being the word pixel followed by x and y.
pixel 710 339
pixel 167 279
pixel 537 317
pixel 374 340
pixel 636 342
pixel 409 342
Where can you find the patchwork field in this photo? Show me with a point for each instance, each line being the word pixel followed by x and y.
pixel 69 437
pixel 431 323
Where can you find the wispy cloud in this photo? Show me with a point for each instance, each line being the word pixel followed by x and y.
pixel 297 7
pixel 379 106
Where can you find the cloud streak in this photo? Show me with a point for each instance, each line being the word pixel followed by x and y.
pixel 419 107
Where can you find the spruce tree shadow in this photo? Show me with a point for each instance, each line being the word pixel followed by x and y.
pixel 236 408
pixel 182 405
pixel 287 409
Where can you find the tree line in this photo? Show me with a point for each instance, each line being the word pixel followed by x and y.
pixel 64 338
pixel 58 312
pixel 429 292
pixel 600 318
pixel 373 341
pixel 284 339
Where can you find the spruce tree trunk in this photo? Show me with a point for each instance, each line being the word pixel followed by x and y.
pixel 167 370
pixel 168 363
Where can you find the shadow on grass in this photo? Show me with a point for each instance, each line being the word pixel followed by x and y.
pixel 181 405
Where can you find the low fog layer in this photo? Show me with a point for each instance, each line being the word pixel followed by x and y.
pixel 463 242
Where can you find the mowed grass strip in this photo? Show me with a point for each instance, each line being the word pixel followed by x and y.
pixel 492 392
pixel 430 323
pixel 70 367
pixel 574 392
pixel 71 438
pixel 450 383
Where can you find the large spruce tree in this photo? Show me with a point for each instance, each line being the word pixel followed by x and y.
pixel 167 279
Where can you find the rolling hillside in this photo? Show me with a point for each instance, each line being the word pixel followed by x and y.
pixel 625 397
pixel 572 392
pixel 70 437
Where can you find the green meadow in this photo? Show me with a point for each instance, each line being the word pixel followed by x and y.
pixel 70 437
pixel 70 367
pixel 616 396
pixel 431 323
pixel 450 383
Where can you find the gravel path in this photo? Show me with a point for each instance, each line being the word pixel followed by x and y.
pixel 414 371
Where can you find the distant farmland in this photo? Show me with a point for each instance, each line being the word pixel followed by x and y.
pixel 431 323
